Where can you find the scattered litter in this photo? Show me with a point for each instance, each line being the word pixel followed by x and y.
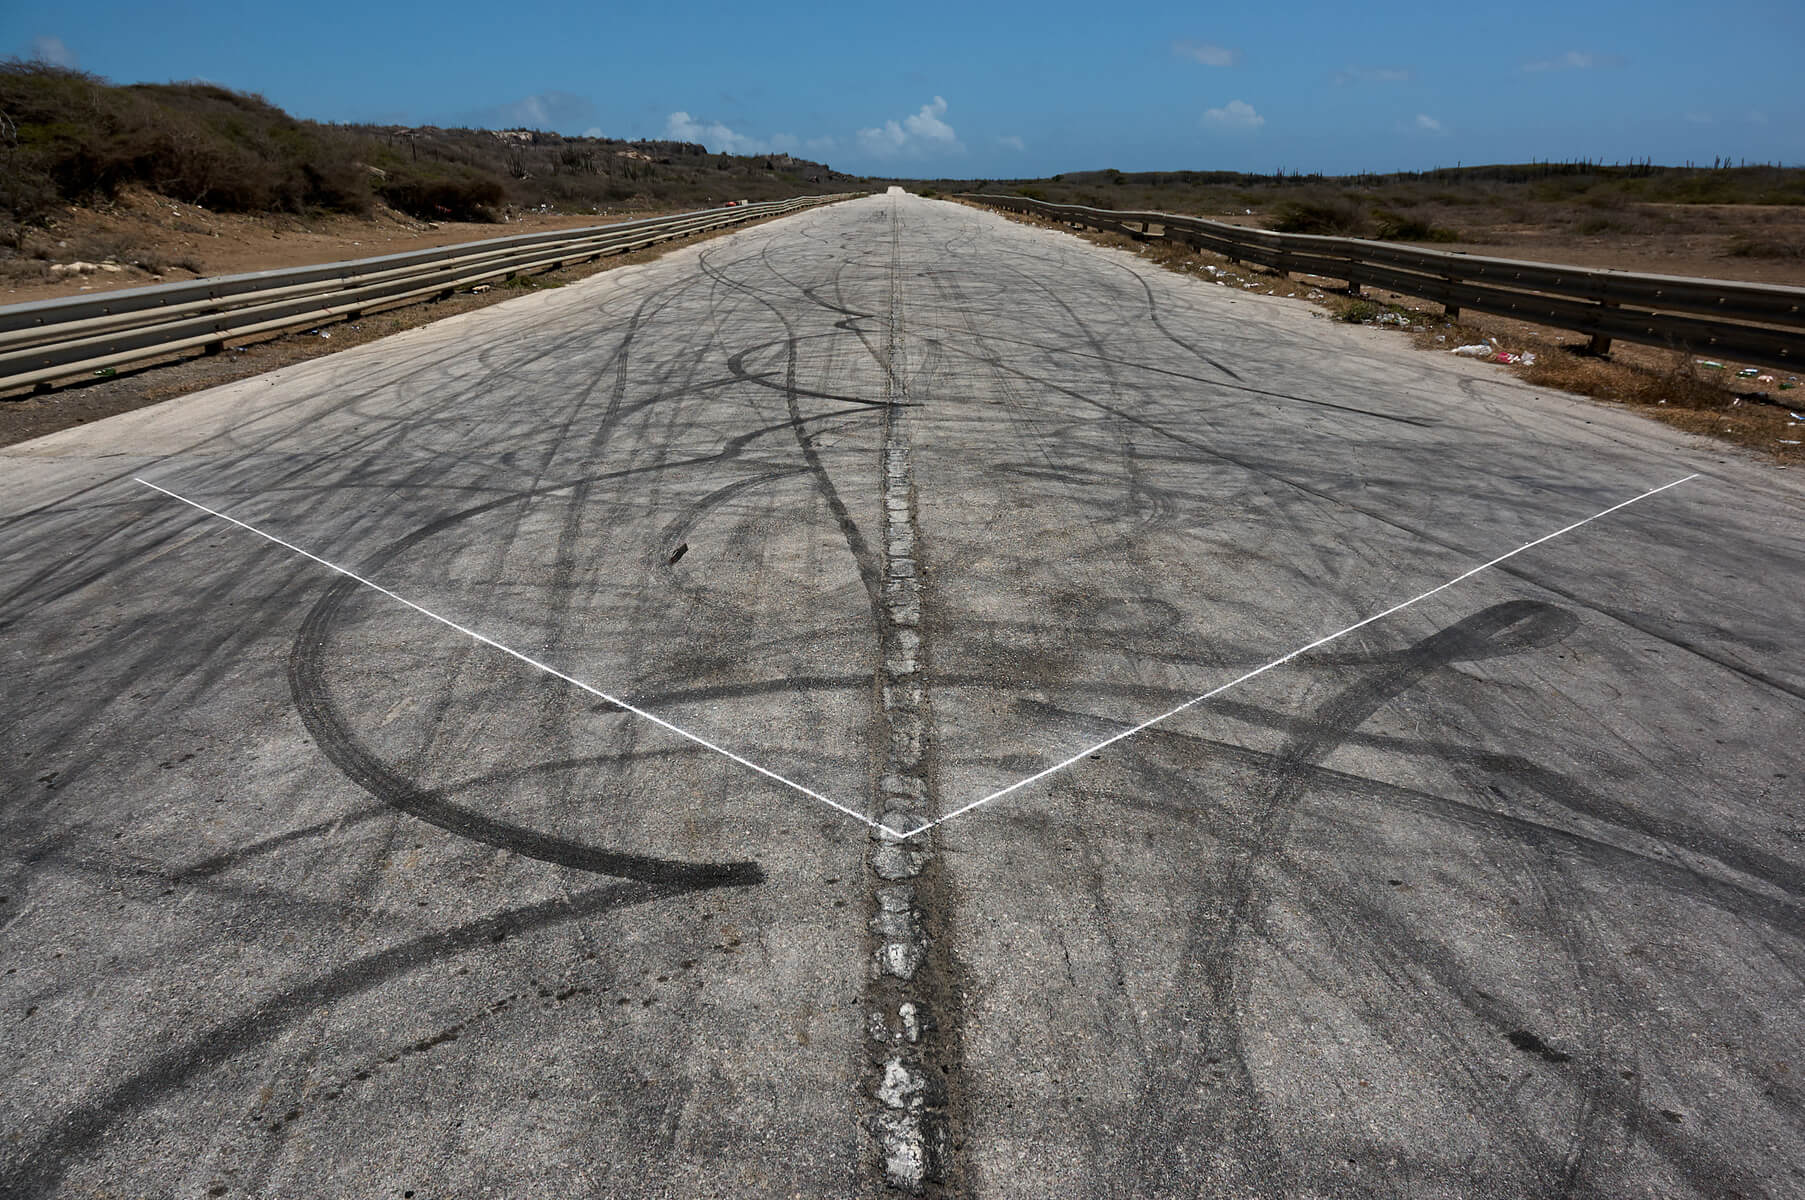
pixel 1795 416
pixel 1790 442
pixel 679 552
pixel 1787 387
pixel 1708 364
pixel 479 289
pixel 105 373
pixel 1764 379
pixel 324 334
pixel 1748 373
pixel 1391 318
pixel 1476 350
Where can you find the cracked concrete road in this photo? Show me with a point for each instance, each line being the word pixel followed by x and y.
pixel 308 894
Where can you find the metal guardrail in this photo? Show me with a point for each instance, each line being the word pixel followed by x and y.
pixel 64 339
pixel 1762 324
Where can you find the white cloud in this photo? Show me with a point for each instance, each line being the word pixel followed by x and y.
pixel 820 145
pixel 1207 54
pixel 923 132
pixel 1237 115
pixel 681 127
pixel 1427 123
pixel 1574 60
pixel 594 131
pixel 1372 75
pixel 553 111
pixel 1011 142
pixel 52 51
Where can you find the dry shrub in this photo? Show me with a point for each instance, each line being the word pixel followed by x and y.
pixel 1750 245
pixel 1680 385
pixel 1681 395
pixel 1327 216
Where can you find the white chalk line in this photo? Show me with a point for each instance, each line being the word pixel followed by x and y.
pixel 963 809
pixel 530 661
pixel 1281 661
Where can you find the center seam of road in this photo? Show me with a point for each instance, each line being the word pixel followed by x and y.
pixel 909 1020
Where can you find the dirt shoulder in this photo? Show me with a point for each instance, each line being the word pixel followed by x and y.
pixel 1753 243
pixel 25 415
pixel 1756 408
pixel 144 239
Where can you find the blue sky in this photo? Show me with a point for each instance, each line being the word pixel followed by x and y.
pixel 932 88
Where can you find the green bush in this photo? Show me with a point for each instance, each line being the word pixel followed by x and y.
pixel 80 139
pixel 438 191
pixel 1746 245
pixel 1335 217
pixel 1403 227
pixel 68 137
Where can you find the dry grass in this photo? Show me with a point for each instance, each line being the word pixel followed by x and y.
pixel 1682 394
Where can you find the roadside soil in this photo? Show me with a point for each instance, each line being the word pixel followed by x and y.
pixel 1703 241
pixel 1763 412
pixel 25 414
pixel 145 238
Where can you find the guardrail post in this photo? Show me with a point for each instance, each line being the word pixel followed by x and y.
pixel 1600 343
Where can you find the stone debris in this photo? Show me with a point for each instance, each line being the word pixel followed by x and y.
pixel 904 1148
pixel 901 960
pixel 911 1017
pixel 903 1086
pixel 890 861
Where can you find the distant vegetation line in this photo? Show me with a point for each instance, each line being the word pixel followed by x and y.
pixel 1449 204
pixel 68 137
pixel 1724 182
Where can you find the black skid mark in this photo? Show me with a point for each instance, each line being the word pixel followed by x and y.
pixel 824 484
pixel 737 365
pixel 38 1170
pixel 322 718
pixel 1221 1122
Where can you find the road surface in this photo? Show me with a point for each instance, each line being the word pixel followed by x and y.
pixel 587 767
